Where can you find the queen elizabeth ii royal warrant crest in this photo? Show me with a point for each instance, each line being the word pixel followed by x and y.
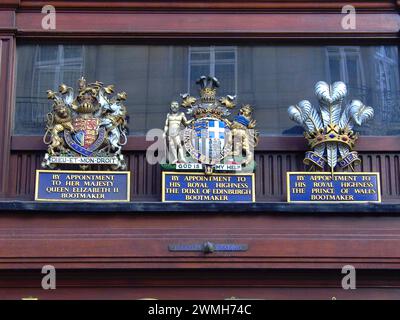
pixel 84 132
pixel 87 129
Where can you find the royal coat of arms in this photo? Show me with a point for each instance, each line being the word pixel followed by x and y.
pixel 329 129
pixel 86 130
pixel 209 140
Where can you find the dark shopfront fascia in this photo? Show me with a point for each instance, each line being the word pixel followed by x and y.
pixel 295 251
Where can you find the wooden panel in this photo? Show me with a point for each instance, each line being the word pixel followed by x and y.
pixel 319 5
pixel 192 284
pixel 7 20
pixel 146 178
pixel 270 174
pixel 219 291
pixel 145 181
pixel 211 25
pixel 73 240
pixel 7 52
pixel 12 4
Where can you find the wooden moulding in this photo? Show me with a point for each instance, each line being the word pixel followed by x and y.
pixel 7 55
pixel 142 25
pixel 196 5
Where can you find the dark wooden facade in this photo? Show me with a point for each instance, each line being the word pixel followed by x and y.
pixel 294 251
pixel 275 156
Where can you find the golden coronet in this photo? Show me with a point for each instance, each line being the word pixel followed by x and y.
pixel 208 95
pixel 345 137
pixel 86 107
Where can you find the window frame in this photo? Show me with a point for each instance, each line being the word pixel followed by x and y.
pixel 212 52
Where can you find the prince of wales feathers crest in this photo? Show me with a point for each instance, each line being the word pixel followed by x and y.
pixel 89 129
pixel 209 137
pixel 329 131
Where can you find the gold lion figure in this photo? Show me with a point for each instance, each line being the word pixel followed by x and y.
pixel 244 137
pixel 57 121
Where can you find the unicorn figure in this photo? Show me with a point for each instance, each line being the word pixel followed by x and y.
pixel 115 123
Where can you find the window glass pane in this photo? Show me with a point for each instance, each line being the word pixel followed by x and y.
pixel 200 56
pixel 269 77
pixel 225 73
pixel 72 52
pixel 225 55
pixel 47 53
pixel 196 71
pixel 334 68
pixel 353 71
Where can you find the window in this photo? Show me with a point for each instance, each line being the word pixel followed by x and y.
pixel 51 66
pixel 345 64
pixel 383 93
pixel 219 62
pixel 386 92
pixel 268 77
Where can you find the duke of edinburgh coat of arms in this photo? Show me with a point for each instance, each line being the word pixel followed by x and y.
pixel 210 140
pixel 89 129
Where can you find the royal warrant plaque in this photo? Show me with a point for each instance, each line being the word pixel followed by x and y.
pixel 82 186
pixel 210 156
pixel 198 187
pixel 85 131
pixel 329 130
pixel 340 187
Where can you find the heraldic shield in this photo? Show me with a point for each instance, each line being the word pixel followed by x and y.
pixel 210 140
pixel 86 130
pixel 210 157
pixel 88 136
